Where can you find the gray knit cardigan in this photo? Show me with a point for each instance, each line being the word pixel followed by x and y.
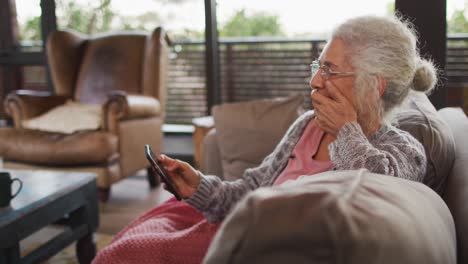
pixel 390 151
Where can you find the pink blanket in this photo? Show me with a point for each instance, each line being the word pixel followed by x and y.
pixel 171 233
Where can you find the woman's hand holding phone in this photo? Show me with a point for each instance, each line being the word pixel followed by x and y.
pixel 184 176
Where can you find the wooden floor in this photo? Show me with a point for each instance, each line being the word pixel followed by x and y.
pixel 129 199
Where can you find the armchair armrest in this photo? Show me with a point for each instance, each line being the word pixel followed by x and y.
pixel 26 104
pixel 121 105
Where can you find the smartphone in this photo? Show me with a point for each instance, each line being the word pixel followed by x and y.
pixel 152 160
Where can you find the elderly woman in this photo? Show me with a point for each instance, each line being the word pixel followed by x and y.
pixel 365 71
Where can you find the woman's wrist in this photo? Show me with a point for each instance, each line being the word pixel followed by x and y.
pixel 195 183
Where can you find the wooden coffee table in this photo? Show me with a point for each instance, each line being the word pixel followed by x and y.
pixel 50 197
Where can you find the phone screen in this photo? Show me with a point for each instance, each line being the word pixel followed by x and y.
pixel 151 158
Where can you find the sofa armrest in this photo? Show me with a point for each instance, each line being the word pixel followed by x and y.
pixel 25 104
pixel 353 216
pixel 211 155
pixel 456 190
pixel 121 105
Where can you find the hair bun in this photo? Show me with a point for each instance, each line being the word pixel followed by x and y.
pixel 425 77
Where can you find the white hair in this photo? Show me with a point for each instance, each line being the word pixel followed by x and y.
pixel 384 47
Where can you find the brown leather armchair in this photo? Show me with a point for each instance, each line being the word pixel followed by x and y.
pixel 123 72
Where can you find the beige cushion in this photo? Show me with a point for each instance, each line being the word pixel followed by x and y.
pixel 421 119
pixel 338 217
pixel 248 131
pixel 67 118
pixel 456 192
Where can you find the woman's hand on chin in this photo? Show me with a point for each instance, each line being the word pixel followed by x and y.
pixel 333 112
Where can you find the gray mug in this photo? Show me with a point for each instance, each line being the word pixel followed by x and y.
pixel 5 188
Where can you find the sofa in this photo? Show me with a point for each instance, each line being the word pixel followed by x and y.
pixel 342 216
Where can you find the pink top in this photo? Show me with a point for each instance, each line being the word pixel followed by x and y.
pixel 301 162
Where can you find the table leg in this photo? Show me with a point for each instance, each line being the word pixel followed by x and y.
pixel 152 179
pixel 10 255
pixel 86 249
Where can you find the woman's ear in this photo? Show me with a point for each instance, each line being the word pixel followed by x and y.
pixel 382 85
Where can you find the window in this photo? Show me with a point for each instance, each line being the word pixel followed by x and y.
pixel 265 50
pixel 29 25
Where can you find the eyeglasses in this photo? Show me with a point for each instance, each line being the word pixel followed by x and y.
pixel 325 71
